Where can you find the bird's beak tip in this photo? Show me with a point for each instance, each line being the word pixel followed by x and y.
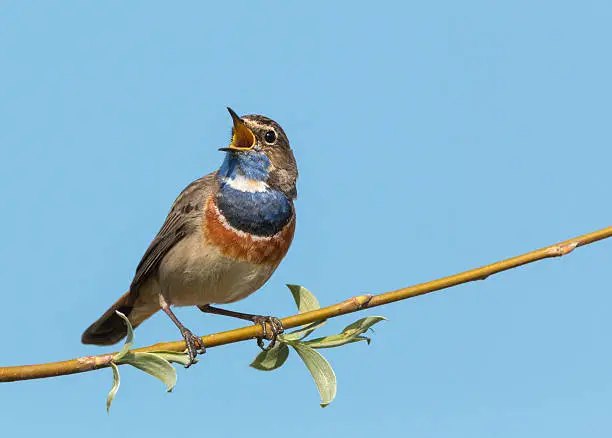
pixel 243 138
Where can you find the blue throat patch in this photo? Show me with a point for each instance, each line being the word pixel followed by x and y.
pixel 253 165
pixel 259 213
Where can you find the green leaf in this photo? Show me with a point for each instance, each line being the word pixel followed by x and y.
pixel 299 334
pixel 153 364
pixel 351 333
pixel 304 299
pixel 129 340
pixel 335 341
pixel 114 388
pixel 362 325
pixel 271 359
pixel 173 356
pixel 305 302
pixel 321 372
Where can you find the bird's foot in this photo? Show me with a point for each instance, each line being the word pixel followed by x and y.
pixel 264 321
pixel 194 346
pixel 277 329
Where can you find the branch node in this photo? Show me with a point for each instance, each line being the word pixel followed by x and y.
pixel 362 301
pixel 563 249
pixel 95 362
pixel 355 303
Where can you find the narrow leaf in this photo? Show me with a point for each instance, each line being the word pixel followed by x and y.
pixel 305 302
pixel 173 356
pixel 362 325
pixel 304 299
pixel 154 365
pixel 114 388
pixel 335 341
pixel 351 333
pixel 296 335
pixel 321 372
pixel 271 359
pixel 129 340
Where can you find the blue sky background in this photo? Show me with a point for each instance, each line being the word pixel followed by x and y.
pixel 431 137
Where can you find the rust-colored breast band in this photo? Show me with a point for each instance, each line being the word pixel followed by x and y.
pixel 244 246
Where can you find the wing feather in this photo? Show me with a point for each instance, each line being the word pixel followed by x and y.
pixel 183 219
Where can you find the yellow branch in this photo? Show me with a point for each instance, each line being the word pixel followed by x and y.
pixel 89 363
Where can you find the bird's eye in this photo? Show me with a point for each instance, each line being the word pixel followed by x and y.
pixel 270 137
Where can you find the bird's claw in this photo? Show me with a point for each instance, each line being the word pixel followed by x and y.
pixel 194 346
pixel 277 329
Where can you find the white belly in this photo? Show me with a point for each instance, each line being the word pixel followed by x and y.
pixel 194 273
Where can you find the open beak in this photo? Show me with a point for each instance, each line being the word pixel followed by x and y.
pixel 243 138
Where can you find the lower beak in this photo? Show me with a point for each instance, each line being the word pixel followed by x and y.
pixel 243 138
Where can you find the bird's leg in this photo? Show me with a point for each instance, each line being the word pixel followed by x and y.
pixel 263 321
pixel 194 344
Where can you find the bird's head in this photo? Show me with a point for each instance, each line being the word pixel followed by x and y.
pixel 259 157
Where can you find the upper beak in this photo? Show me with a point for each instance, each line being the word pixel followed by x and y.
pixel 243 138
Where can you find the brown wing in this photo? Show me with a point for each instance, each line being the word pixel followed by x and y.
pixel 183 219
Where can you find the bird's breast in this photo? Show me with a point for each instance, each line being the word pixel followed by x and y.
pixel 256 229
pixel 263 212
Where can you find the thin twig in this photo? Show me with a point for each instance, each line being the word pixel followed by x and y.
pixel 354 304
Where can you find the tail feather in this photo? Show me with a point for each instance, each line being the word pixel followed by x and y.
pixel 110 328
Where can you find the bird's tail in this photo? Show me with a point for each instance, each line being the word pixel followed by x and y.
pixel 110 328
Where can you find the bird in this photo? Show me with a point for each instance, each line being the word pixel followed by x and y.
pixel 223 238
